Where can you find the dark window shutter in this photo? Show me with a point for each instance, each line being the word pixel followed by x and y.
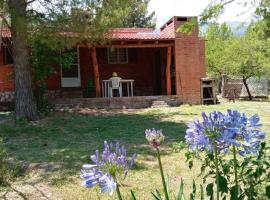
pixel 102 56
pixel 132 56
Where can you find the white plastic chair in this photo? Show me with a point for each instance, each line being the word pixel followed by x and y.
pixel 115 85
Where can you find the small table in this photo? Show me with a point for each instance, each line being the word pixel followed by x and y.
pixel 128 82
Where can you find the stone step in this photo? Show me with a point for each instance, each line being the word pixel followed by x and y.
pixel 164 106
pixel 159 104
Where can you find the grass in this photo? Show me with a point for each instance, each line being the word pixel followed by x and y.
pixel 53 150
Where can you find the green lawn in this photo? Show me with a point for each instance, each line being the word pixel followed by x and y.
pixel 52 151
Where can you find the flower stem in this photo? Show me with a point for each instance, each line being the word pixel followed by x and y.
pixel 118 193
pixel 117 189
pixel 97 194
pixel 162 176
pixel 235 173
pixel 217 169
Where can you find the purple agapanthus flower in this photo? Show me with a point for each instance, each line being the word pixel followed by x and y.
pixel 225 130
pixel 154 137
pixel 106 166
pixel 196 138
pixel 202 135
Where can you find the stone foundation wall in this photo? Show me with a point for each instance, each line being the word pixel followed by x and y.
pixel 7 97
pixel 53 94
pixel 114 103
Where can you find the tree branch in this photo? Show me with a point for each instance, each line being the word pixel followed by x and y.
pixel 227 2
pixel 30 1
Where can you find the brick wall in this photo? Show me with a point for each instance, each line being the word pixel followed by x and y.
pixel 6 78
pixel 189 68
pixel 189 63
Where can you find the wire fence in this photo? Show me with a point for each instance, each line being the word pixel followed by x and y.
pixel 258 86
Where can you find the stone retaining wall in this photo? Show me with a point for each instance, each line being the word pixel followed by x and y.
pixel 7 97
pixel 114 103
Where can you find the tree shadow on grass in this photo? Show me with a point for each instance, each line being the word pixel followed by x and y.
pixel 68 140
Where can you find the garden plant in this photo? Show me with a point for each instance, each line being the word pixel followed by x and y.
pixel 235 161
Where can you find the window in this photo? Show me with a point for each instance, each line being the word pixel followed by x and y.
pixel 117 56
pixel 71 71
pixel 7 56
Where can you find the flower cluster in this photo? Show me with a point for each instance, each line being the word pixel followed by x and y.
pixel 154 137
pixel 225 130
pixel 106 167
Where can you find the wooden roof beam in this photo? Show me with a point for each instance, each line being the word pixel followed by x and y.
pixel 153 45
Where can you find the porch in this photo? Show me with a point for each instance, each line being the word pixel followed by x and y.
pixel 145 67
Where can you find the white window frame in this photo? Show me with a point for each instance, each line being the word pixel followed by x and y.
pixel 118 60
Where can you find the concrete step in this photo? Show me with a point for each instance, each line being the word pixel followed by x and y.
pixel 159 104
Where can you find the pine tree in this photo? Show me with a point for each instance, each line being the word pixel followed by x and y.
pixel 138 15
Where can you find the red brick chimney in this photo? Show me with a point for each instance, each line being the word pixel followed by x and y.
pixel 171 27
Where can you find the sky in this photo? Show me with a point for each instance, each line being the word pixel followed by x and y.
pixel 165 9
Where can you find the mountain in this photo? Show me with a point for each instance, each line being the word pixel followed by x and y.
pixel 238 28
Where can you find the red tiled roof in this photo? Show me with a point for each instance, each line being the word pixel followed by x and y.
pixel 126 34
pixel 140 34
pixel 166 32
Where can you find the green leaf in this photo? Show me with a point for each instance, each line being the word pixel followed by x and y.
pixel 193 194
pixel 210 156
pixel 233 191
pixel 202 192
pixel 267 190
pixel 226 168
pixel 168 185
pixel 157 195
pixel 210 190
pixel 188 27
pixel 133 197
pixel 181 191
pixel 223 184
pixel 249 171
pixel 190 164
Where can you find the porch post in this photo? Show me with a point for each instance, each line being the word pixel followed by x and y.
pixel 168 71
pixel 96 71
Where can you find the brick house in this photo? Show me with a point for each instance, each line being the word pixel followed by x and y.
pixel 161 63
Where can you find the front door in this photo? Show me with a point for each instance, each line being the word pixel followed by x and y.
pixel 71 77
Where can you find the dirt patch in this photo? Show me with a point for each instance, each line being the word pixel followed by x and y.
pixel 23 191
pixel 33 187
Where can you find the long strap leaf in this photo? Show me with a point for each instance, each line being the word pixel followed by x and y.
pixel 133 197
pixel 157 196
pixel 181 191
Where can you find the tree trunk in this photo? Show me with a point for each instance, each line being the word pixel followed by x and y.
pixel 25 104
pixel 223 84
pixel 247 88
pixel 96 71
